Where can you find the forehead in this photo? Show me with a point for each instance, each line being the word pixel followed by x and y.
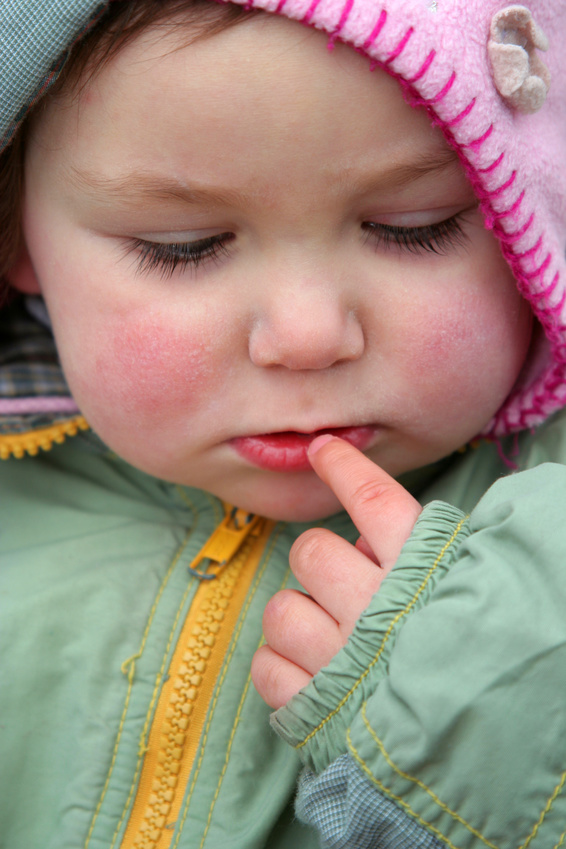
pixel 258 88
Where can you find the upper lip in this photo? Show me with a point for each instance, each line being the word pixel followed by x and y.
pixel 308 431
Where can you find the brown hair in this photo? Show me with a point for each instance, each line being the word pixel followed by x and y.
pixel 124 20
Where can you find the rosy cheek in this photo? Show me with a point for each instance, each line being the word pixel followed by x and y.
pixel 446 355
pixel 152 370
pixel 438 341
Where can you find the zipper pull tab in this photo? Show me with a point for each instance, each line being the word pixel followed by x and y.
pixel 224 542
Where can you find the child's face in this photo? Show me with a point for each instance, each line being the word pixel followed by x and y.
pixel 214 230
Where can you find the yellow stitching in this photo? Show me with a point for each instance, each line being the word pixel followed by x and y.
pixel 546 809
pixel 392 795
pixel 445 808
pixel 421 784
pixel 220 683
pixel 131 663
pixel 228 750
pixel 386 636
pixel 233 734
pixel 158 678
pixel 218 516
pixel 112 762
pixel 366 769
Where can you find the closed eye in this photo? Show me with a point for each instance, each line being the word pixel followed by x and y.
pixel 168 257
pixel 438 238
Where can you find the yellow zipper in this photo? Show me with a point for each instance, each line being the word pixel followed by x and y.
pixel 18 444
pixel 226 564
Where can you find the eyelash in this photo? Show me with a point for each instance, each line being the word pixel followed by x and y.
pixel 437 238
pixel 167 257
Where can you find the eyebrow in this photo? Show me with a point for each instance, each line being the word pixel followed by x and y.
pixel 423 165
pixel 141 186
pixel 138 186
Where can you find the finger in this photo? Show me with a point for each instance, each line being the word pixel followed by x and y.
pixel 297 628
pixel 362 545
pixel 275 678
pixel 336 574
pixel 382 510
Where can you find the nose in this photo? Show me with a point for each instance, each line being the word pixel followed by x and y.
pixel 305 327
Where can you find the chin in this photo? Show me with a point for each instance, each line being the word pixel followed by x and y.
pixel 288 500
pixel 294 514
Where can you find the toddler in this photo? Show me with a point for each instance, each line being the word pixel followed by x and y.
pixel 282 377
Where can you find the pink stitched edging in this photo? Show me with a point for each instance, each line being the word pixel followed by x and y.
pixel 512 211
pixel 348 6
pixel 310 12
pixel 518 234
pixel 557 308
pixel 375 32
pixel 530 251
pixel 444 91
pixel 538 272
pixel 545 294
pixel 503 457
pixel 506 185
pixel 400 47
pixel 495 164
pixel 36 404
pixel 424 67
pixel 477 143
pixel 462 114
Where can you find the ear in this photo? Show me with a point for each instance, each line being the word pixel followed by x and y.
pixel 22 275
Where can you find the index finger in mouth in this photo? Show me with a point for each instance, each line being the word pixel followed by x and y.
pixel 382 510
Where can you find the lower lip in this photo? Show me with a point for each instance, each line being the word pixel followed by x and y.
pixel 287 452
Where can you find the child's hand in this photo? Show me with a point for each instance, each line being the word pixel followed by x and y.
pixel 303 632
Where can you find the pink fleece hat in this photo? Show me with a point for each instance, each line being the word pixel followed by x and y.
pixel 489 78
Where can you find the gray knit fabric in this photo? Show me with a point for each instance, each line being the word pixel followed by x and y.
pixel 34 38
pixel 350 812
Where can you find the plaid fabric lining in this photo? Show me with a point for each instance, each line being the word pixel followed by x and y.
pixel 349 812
pixel 34 40
pixel 29 367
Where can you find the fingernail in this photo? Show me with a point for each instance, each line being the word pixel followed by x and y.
pixel 319 442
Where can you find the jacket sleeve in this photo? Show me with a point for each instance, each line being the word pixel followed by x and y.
pixel 443 721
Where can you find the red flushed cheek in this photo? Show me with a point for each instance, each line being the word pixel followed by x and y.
pixel 152 371
pixel 437 342
pixel 445 352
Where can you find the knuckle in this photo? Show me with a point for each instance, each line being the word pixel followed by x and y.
pixel 386 496
pixel 283 620
pixel 370 491
pixel 311 545
pixel 278 606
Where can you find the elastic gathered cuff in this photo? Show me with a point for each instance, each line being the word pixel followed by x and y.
pixel 316 720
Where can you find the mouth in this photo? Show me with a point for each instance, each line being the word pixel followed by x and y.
pixel 287 451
